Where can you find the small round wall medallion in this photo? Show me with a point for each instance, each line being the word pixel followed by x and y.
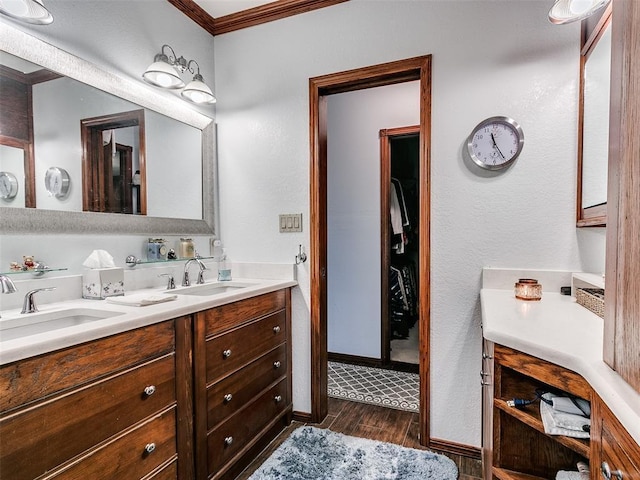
pixel 495 143
pixel 57 182
pixel 8 185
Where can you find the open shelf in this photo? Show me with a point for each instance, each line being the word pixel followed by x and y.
pixel 531 417
pixel 504 474
pixel 36 272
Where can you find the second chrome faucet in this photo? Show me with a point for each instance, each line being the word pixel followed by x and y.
pixel 185 279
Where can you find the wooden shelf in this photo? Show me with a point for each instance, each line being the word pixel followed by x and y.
pixel 532 418
pixel 504 474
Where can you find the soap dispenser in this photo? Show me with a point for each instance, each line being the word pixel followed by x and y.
pixel 224 267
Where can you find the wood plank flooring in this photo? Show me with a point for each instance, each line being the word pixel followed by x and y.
pixel 373 422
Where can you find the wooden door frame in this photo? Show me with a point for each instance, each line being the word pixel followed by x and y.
pixel 417 68
pixel 386 135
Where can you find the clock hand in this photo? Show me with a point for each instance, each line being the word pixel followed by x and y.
pixel 496 145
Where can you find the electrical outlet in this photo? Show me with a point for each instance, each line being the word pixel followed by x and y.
pixel 290 222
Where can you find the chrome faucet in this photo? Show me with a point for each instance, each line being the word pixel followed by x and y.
pixel 29 304
pixel 7 285
pixel 185 279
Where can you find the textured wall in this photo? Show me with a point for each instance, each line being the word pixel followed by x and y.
pixel 489 58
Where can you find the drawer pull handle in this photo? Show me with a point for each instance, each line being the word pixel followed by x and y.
pixel 228 397
pixel 608 474
pixel 276 364
pixel 278 398
pixel 228 441
pixel 149 448
pixel 276 329
pixel 226 353
pixel 149 390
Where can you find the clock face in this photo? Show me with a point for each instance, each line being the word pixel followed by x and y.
pixel 56 181
pixel 8 185
pixel 495 143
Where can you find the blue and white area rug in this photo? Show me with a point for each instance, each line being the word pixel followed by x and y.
pixel 314 454
pixel 376 386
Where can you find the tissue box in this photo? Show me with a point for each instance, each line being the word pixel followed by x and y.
pixel 100 283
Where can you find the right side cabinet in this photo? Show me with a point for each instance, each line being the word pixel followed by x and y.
pixel 515 444
pixel 614 454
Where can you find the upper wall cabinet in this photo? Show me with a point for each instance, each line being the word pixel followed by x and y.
pixel 593 122
pixel 622 295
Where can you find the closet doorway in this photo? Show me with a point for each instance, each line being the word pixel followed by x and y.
pixel 400 240
pixel 418 68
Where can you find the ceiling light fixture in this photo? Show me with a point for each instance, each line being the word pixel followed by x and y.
pixel 28 11
pixel 567 11
pixel 165 72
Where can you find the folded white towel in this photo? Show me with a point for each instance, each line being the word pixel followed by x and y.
pixel 568 475
pixel 141 299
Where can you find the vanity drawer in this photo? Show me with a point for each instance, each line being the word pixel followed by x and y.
pixel 231 351
pixel 233 314
pixel 38 377
pixel 50 433
pixel 232 436
pixel 133 455
pixel 226 397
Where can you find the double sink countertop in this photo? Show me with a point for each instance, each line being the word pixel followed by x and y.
pixel 119 317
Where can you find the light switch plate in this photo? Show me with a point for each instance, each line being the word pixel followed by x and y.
pixel 290 222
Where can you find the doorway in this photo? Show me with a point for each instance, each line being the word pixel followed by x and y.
pixel 418 68
pixel 400 239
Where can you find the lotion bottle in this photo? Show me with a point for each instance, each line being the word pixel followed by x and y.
pixel 224 268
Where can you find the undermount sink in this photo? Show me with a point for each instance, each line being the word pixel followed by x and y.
pixel 215 288
pixel 28 324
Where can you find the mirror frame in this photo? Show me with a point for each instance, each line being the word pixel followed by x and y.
pixel 592 29
pixel 33 220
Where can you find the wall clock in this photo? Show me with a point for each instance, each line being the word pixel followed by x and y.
pixel 8 185
pixel 57 181
pixel 495 143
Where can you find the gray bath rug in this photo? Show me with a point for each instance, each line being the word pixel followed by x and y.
pixel 314 454
pixel 386 388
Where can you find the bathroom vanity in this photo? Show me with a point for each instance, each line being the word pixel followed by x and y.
pixel 191 388
pixel 553 344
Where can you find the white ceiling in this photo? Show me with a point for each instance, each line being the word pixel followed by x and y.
pixel 220 8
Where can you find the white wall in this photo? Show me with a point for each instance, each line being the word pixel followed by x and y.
pixel 489 58
pixel 354 121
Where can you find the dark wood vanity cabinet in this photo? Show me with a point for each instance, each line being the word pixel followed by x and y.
pixel 103 409
pixel 517 447
pixel 242 382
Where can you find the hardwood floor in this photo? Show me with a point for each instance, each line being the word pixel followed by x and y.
pixel 373 422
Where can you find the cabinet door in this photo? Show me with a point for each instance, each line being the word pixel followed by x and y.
pixel 622 297
pixel 616 456
pixel 487 383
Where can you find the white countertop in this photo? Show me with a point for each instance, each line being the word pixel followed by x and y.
pixel 558 330
pixel 131 317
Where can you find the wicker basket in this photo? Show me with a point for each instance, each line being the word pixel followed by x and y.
pixel 592 299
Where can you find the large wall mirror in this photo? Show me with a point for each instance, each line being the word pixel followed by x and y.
pixel 593 125
pixel 152 157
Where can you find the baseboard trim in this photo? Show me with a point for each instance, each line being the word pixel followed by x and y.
pixel 303 417
pixel 455 448
pixel 354 360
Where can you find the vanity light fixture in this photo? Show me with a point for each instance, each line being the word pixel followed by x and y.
pixel 28 11
pixel 567 11
pixel 165 72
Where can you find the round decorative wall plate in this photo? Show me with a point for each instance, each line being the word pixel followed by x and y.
pixel 8 185
pixel 495 143
pixel 57 182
